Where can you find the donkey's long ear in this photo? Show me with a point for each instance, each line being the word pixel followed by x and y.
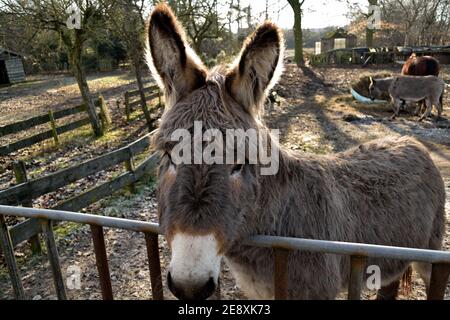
pixel 258 67
pixel 174 65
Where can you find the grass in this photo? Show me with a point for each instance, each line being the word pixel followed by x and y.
pixel 65 229
pixel 67 85
pixel 79 137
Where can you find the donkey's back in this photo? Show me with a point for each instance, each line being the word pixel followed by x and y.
pixel 416 88
pixel 394 195
pixel 389 185
pixel 411 88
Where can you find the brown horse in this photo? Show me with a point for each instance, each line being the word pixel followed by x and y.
pixel 421 66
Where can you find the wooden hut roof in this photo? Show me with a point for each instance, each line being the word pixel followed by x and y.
pixel 338 33
pixel 6 51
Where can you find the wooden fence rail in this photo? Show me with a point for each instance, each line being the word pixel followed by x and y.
pixel 132 99
pixel 22 193
pixel 53 131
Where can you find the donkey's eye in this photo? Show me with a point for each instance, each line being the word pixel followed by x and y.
pixel 237 169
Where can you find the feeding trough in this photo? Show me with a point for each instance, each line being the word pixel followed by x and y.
pixel 360 89
pixel 363 99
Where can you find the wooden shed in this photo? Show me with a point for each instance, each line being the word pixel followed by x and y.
pixel 11 67
pixel 338 39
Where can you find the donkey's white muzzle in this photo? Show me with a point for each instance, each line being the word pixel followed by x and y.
pixel 194 267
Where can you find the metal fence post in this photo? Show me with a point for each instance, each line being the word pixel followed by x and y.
pixel 8 251
pixel 53 258
pixel 357 265
pixel 20 173
pixel 438 282
pixel 101 259
pixel 281 273
pixel 151 241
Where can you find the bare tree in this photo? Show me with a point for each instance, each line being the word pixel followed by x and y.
pixel 298 33
pixel 201 20
pixel 411 10
pixel 126 19
pixel 51 15
pixel 405 22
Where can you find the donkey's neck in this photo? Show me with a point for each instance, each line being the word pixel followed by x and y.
pixel 293 201
pixel 385 83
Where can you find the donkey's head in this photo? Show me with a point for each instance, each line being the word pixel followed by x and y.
pixel 204 205
pixel 374 91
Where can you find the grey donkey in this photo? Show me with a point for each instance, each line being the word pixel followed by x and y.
pixel 429 89
pixel 386 192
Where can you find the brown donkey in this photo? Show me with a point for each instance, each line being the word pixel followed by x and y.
pixel 386 192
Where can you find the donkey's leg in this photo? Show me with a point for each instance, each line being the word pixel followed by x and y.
pixel 439 108
pixel 421 107
pixel 441 104
pixel 389 292
pixel 396 103
pixel 428 111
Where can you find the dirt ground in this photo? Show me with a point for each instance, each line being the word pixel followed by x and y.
pixel 317 114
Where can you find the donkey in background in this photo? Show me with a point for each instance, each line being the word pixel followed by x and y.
pixel 401 89
pixel 421 66
pixel 386 192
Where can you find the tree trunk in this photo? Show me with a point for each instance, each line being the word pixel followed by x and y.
pixel 197 46
pixel 370 32
pixel 369 37
pixel 298 33
pixel 406 42
pixel 138 72
pixel 75 57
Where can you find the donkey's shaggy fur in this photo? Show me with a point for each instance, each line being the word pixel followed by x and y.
pixel 386 192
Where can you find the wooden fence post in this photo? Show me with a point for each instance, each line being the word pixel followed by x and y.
pixel 53 125
pixel 159 98
pixel 105 115
pixel 127 106
pixel 8 252
pixel 20 173
pixel 130 166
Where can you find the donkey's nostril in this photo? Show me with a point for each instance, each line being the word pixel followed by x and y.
pixel 208 289
pixel 191 291
pixel 177 292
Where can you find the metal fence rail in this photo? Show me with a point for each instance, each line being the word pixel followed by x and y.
pixel 282 246
pixel 97 224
